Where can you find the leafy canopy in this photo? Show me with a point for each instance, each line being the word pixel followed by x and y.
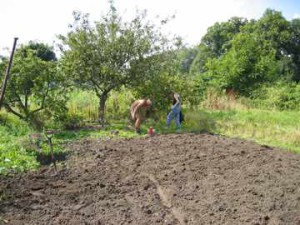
pixel 35 86
pixel 112 53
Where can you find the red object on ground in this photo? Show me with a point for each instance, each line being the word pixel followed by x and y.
pixel 151 131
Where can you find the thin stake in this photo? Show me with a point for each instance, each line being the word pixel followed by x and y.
pixel 52 154
pixel 7 73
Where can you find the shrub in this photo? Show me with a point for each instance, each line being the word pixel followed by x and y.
pixel 69 121
pixel 281 96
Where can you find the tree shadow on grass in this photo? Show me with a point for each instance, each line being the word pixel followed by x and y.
pixel 202 121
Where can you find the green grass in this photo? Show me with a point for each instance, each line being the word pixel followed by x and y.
pixel 274 128
pixel 107 132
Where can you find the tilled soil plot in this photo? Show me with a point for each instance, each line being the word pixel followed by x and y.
pixel 165 179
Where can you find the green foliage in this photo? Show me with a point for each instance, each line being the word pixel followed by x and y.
pixel 245 55
pixel 112 54
pixel 35 88
pixel 41 50
pixel 12 125
pixel 216 42
pixel 13 156
pixel 70 121
pixel 280 96
pixel 272 26
pixel 114 130
pixel 84 103
pixel 159 94
pixel 218 37
pixel 159 87
pixel 118 105
pixel 241 68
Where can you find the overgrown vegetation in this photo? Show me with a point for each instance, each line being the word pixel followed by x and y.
pixel 14 156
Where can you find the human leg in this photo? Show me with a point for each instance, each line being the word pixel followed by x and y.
pixel 170 117
pixel 138 123
pixel 177 121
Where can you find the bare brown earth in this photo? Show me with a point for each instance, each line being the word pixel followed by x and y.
pixel 165 179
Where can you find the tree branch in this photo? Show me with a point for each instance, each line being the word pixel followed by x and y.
pixel 9 109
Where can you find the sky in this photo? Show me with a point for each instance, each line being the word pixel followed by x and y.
pixel 43 20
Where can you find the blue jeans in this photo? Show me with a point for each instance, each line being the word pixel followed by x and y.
pixel 174 114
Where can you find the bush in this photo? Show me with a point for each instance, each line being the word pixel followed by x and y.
pixel 280 96
pixel 70 121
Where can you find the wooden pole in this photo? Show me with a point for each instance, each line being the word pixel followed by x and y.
pixel 6 78
pixel 52 153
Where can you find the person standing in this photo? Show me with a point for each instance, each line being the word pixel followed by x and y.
pixel 138 112
pixel 175 111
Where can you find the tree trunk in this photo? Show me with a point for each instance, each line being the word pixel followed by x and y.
pixel 102 101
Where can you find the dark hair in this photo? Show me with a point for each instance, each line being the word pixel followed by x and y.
pixel 174 101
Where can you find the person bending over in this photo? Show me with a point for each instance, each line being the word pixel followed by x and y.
pixel 138 112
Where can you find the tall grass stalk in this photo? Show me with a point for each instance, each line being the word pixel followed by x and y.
pixel 275 128
pixel 86 104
